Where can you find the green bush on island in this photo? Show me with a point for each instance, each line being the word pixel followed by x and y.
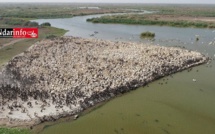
pixel 147 35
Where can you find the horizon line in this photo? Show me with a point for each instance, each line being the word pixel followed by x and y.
pixel 107 2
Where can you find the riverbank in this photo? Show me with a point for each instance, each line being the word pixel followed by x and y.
pixel 158 19
pixel 198 16
pixel 64 76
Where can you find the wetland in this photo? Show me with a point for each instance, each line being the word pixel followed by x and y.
pixel 179 103
pixel 166 106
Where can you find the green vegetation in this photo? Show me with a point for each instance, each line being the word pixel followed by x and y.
pixel 34 11
pixel 145 20
pixel 186 10
pixel 147 35
pixel 14 131
pixel 192 10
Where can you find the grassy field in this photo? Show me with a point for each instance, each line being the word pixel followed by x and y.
pixel 194 10
pixel 14 131
pixel 48 10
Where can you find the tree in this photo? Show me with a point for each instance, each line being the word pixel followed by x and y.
pixel 45 24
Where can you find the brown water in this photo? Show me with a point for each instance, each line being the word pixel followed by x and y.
pixel 177 106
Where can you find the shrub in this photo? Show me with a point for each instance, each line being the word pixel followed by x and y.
pixel 211 26
pixel 45 24
pixel 147 35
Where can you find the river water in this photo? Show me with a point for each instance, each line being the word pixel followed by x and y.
pixel 171 105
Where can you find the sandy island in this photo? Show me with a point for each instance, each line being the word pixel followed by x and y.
pixel 64 76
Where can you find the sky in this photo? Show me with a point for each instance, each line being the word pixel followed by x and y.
pixel 120 1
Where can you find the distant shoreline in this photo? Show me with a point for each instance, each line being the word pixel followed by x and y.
pixel 62 3
pixel 157 19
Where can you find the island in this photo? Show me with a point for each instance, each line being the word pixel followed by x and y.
pixel 64 76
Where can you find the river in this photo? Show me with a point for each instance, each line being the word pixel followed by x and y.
pixel 171 105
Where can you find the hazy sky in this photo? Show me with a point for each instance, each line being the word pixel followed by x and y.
pixel 119 1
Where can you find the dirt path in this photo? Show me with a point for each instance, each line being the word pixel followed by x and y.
pixel 10 43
